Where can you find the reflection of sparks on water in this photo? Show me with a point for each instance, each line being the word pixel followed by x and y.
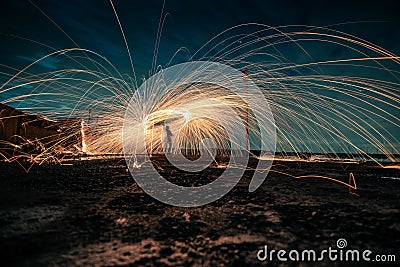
pixel 84 146
pixel 314 110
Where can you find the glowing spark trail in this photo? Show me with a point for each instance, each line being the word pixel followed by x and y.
pixel 316 110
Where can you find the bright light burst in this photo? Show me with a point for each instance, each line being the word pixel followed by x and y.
pixel 316 108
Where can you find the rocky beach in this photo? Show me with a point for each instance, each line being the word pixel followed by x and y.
pixel 92 212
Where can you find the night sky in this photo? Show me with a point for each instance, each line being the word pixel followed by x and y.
pixel 92 25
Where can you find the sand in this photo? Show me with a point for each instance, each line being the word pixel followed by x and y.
pixel 93 213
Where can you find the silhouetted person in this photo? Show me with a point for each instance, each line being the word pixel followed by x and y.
pixel 167 140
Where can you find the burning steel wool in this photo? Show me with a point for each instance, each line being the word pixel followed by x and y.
pixel 215 146
pixel 82 105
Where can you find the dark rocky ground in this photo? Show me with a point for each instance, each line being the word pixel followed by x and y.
pixel 93 213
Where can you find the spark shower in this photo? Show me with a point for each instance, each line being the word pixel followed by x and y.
pixel 316 108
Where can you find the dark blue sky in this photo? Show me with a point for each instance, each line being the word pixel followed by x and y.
pixel 92 25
